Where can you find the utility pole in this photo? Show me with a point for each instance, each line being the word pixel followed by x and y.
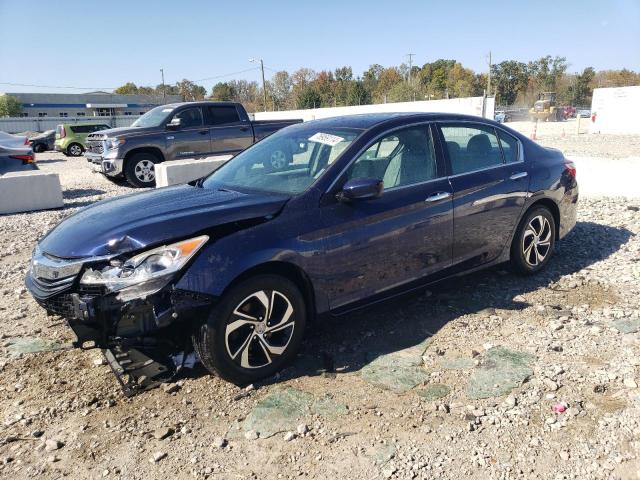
pixel 164 90
pixel 264 88
pixel 410 55
pixel 489 76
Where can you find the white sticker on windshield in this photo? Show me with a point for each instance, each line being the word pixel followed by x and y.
pixel 167 110
pixel 326 138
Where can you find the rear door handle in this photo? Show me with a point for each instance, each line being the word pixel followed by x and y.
pixel 438 196
pixel 518 175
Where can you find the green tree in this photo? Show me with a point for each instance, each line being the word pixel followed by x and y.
pixel 128 88
pixel 308 97
pixel 582 88
pixel 358 93
pixel 509 78
pixel 190 91
pixel 223 92
pixel 9 106
pixel 389 78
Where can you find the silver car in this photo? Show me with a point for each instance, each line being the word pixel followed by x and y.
pixel 15 154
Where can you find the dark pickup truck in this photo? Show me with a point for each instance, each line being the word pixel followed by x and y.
pixel 175 131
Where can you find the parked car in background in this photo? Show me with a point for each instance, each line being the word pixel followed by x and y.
pixel 180 130
pixel 15 154
pixel 237 263
pixel 43 142
pixel 502 116
pixel 584 113
pixel 71 138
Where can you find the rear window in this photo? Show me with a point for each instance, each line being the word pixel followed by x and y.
pixel 510 147
pixel 223 115
pixel 79 129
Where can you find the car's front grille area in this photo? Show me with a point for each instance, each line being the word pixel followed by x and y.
pixel 63 304
pixel 48 287
pixel 95 147
pixel 59 305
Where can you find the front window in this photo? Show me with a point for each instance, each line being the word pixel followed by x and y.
pixel 404 157
pixel 288 161
pixel 154 117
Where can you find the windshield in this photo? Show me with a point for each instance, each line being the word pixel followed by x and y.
pixel 154 117
pixel 288 161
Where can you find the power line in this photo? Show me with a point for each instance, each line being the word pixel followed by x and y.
pixel 227 74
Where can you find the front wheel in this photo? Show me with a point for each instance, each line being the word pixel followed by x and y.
pixel 74 150
pixel 534 241
pixel 139 170
pixel 254 331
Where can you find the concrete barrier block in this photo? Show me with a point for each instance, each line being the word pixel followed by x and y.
pixel 182 171
pixel 29 191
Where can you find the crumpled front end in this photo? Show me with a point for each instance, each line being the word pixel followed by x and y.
pixel 146 339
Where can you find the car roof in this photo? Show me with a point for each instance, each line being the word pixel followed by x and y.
pixel 370 120
pixel 200 102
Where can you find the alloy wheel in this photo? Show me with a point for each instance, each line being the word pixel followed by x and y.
pixel 75 150
pixel 278 160
pixel 536 241
pixel 145 171
pixel 259 329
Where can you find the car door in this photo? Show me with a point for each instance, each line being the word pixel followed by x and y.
pixel 191 139
pixel 229 134
pixel 374 245
pixel 488 192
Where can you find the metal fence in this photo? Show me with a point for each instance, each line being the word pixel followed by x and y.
pixel 40 124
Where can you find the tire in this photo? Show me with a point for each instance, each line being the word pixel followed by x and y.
pixel 241 350
pixel 278 160
pixel 38 148
pixel 534 241
pixel 139 170
pixel 75 150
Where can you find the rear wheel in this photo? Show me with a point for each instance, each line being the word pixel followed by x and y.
pixel 534 241
pixel 74 150
pixel 139 170
pixel 254 331
pixel 38 148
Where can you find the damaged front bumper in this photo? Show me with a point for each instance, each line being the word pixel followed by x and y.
pixel 145 341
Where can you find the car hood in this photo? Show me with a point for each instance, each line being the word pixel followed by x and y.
pixel 124 132
pixel 132 222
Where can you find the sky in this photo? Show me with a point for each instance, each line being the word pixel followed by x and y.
pixel 102 45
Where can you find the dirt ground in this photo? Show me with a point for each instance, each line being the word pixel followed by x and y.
pixel 490 376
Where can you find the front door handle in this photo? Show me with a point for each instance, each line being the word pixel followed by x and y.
pixel 518 175
pixel 438 196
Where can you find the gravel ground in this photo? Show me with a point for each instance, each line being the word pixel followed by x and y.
pixel 488 376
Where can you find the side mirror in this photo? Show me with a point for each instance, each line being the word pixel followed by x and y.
pixel 361 189
pixel 174 124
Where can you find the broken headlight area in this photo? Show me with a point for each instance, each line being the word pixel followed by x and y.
pixel 146 272
pixel 145 341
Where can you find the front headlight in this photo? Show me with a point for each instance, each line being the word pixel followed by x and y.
pixel 113 143
pixel 153 268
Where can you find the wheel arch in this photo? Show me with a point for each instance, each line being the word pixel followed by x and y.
pixel 287 270
pixel 155 151
pixel 552 207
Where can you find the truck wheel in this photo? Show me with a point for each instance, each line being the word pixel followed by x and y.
pixel 254 331
pixel 279 160
pixel 534 241
pixel 139 170
pixel 75 150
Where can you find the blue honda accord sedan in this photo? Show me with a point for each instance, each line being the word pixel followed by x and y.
pixel 230 268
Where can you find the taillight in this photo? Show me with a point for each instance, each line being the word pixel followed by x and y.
pixel 25 158
pixel 63 132
pixel 570 169
pixel 26 141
